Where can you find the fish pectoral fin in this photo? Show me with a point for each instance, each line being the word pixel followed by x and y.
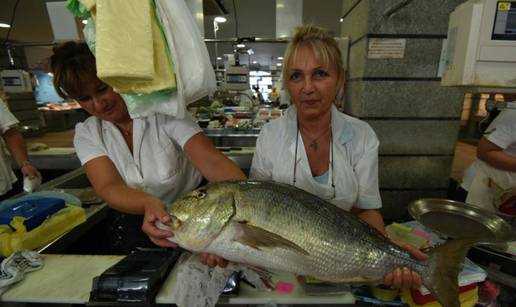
pixel 257 237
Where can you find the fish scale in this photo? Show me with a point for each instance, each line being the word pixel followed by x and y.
pixel 281 227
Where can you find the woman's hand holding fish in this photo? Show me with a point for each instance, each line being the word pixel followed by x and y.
pixel 404 277
pixel 155 212
pixel 212 260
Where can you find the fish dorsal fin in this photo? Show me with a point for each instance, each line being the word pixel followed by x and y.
pixel 257 237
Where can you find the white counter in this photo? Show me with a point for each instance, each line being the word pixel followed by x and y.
pixel 67 279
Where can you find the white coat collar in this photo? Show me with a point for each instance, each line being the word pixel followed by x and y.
pixel 340 126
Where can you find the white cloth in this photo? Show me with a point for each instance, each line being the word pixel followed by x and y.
pixel 201 285
pixel 158 165
pixel 7 177
pixel 501 132
pixel 355 167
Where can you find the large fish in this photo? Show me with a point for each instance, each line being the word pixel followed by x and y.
pixel 281 227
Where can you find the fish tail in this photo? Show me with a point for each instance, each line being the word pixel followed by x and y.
pixel 444 265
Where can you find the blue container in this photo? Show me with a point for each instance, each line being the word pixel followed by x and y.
pixel 35 211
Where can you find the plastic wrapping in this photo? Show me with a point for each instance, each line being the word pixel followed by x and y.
pixel 194 73
pixel 77 9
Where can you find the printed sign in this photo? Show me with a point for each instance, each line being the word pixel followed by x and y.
pixel 386 48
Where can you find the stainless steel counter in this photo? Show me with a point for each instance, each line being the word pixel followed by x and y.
pixel 61 159
pixel 233 138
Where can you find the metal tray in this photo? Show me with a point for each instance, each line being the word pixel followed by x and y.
pixel 459 220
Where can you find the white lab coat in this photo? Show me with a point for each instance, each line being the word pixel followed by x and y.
pixel 7 177
pixel 501 132
pixel 355 167
pixel 158 165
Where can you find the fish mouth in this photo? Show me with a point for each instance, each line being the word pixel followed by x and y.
pixel 175 222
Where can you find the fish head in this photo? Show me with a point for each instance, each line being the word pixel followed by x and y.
pixel 198 217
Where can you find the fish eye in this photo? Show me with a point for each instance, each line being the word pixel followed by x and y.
pixel 201 194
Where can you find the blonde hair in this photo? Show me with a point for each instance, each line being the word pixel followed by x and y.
pixel 322 44
pixel 72 64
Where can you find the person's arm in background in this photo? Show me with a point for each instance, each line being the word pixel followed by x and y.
pixel 493 155
pixel 372 217
pixel 16 146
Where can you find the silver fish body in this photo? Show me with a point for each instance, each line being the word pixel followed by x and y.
pixel 281 227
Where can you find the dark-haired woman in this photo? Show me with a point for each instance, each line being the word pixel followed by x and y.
pixel 135 165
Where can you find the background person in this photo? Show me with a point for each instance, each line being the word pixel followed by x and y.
pixel 496 153
pixel 135 165
pixel 12 141
pixel 317 148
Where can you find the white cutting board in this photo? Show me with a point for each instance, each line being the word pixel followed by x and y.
pixel 63 279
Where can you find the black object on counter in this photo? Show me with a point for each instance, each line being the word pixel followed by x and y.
pixel 136 278
pixel 232 287
pixel 493 259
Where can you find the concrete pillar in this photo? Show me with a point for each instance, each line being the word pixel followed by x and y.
pixel 393 84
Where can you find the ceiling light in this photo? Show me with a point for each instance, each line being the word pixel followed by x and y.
pixel 85 21
pixel 4 25
pixel 255 62
pixel 219 58
pixel 279 64
pixel 240 45
pixel 341 19
pixel 220 19
pixel 280 58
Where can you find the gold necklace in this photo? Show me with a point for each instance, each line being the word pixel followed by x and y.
pixel 313 143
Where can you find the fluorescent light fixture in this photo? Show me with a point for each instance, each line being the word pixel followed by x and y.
pixel 219 58
pixel 255 62
pixel 85 21
pixel 279 64
pixel 220 19
pixel 240 45
pixel 4 25
pixel 280 58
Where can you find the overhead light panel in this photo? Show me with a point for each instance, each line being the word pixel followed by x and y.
pixel 4 25
pixel 280 58
pixel 240 45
